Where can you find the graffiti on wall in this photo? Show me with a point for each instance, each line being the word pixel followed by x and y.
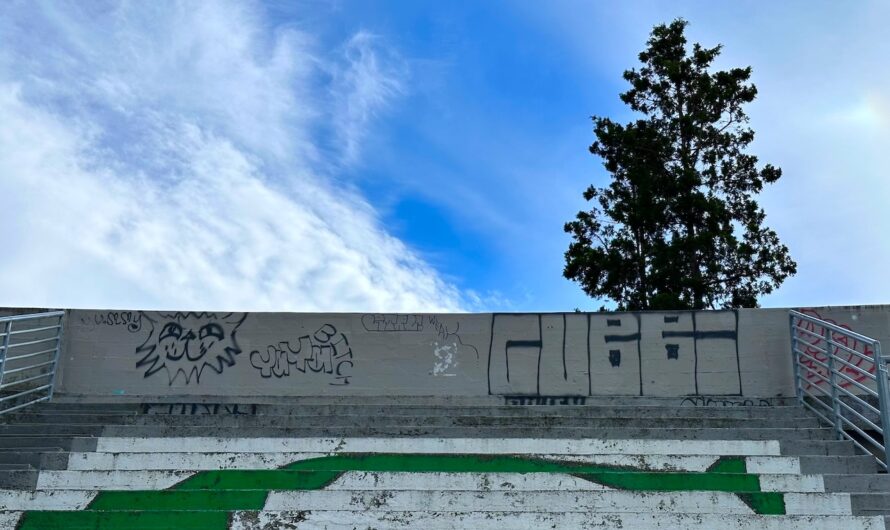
pixel 448 347
pixel 545 400
pixel 812 343
pixel 707 401
pixel 614 353
pixel 185 344
pixel 131 319
pixel 326 351
pixel 198 409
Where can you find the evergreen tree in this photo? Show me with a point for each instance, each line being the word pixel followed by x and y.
pixel 678 227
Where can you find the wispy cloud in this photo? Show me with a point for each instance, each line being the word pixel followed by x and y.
pixel 166 154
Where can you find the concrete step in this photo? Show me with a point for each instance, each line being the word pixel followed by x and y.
pixel 819 447
pixel 400 408
pixel 195 461
pixel 731 402
pixel 470 445
pixel 40 458
pixel 583 501
pixel 372 481
pixel 240 422
pixel 18 479
pixel 43 429
pixel 871 503
pixel 27 442
pixel 842 465
pixel 858 483
pixel 381 430
pixel 428 520
pixel 613 501
pixel 407 410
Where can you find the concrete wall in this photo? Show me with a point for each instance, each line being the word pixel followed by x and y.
pixel 168 354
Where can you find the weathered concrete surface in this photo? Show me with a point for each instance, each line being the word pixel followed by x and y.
pixel 211 460
pixel 584 501
pixel 305 520
pixel 497 521
pixel 524 446
pixel 132 354
pixel 374 481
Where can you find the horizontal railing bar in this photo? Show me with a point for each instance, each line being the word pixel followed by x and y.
pixel 815 360
pixel 26 380
pixel 859 354
pixel 858 399
pixel 34 354
pixel 808 332
pixel 23 405
pixel 816 398
pixel 24 393
pixel 834 327
pixel 29 367
pixel 34 330
pixel 865 373
pixel 30 342
pixel 817 374
pixel 816 412
pixel 861 417
pixel 862 433
pixel 32 316
pixel 857 383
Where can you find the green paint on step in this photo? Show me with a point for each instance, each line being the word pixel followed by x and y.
pixel 728 465
pixel 226 500
pixel 270 479
pixel 219 492
pixel 765 503
pixel 93 520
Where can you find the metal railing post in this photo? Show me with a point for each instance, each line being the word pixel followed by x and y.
pixel 832 376
pixel 795 360
pixel 4 348
pixel 55 365
pixel 883 388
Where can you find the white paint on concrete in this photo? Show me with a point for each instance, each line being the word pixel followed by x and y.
pixel 773 464
pixel 109 480
pixel 369 480
pixel 796 483
pixel 211 461
pixel 22 500
pixel 374 481
pixel 614 501
pixel 428 520
pixel 480 482
pixel 818 504
pixel 9 520
pixel 441 446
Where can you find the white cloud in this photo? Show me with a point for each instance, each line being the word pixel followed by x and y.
pixel 166 155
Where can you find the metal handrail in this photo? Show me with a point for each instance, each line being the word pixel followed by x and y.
pixel 28 336
pixel 836 372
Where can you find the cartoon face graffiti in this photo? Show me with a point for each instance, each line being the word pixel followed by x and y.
pixel 184 344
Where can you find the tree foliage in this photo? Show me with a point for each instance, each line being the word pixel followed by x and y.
pixel 678 227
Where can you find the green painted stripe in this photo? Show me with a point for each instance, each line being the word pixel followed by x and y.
pixel 766 503
pixel 269 479
pixel 133 520
pixel 253 499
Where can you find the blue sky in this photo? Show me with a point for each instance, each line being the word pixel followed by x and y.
pixel 396 156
